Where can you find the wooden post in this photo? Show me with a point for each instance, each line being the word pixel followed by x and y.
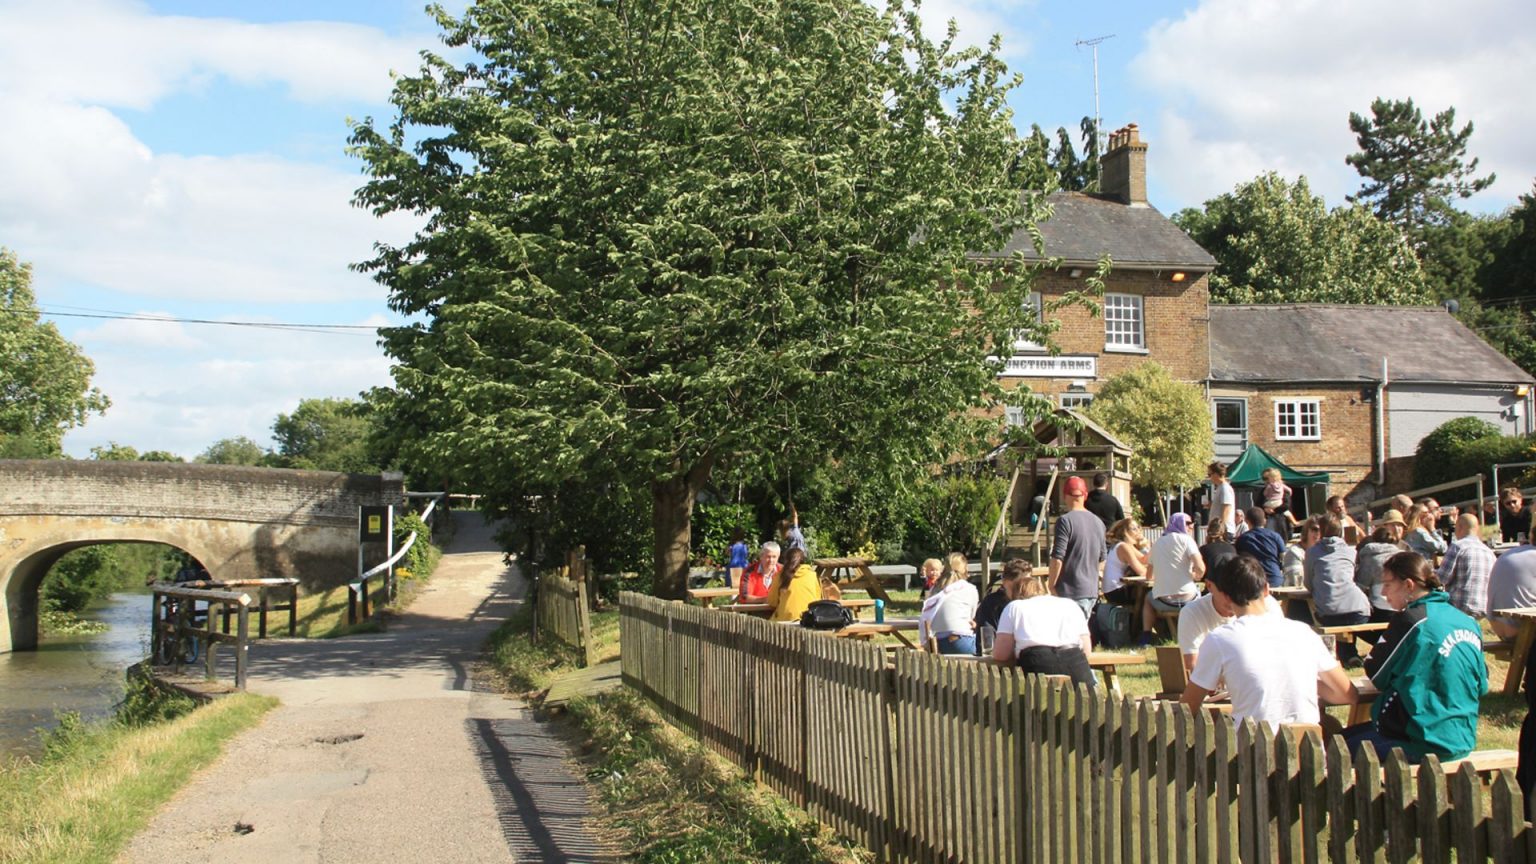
pixel 242 646
pixel 293 608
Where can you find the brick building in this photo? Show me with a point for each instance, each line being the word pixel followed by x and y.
pixel 1353 389
pixel 1155 297
pixel 1350 390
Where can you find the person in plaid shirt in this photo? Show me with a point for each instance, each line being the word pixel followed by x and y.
pixel 1468 563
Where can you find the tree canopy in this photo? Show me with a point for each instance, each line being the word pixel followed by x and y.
pixel 325 435
pixel 239 450
pixel 45 380
pixel 1167 423
pixel 1412 168
pixel 1276 242
pixel 667 237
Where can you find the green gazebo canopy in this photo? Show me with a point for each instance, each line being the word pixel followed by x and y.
pixel 1249 468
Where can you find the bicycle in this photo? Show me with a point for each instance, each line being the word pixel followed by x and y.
pixel 175 646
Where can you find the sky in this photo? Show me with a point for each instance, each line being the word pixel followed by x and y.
pixel 186 158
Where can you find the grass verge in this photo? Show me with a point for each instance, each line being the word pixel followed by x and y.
pixel 663 797
pixel 99 784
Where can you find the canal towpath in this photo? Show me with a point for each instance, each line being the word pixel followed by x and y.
pixel 386 749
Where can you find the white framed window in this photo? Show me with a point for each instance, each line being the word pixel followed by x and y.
pixel 1014 416
pixel 1298 420
pixel 1076 400
pixel 1034 309
pixel 1123 323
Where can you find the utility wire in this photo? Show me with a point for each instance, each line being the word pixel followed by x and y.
pixel 331 329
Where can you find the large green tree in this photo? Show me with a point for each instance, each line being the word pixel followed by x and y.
pixel 45 380
pixel 1276 242
pixel 239 450
pixel 1413 169
pixel 667 237
pixel 325 435
pixel 1167 423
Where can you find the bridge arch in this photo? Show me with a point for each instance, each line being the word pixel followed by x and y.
pixel 241 523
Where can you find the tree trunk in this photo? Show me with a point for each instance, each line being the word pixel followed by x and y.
pixel 672 529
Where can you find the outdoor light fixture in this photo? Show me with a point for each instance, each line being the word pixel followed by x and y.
pixel 1075 273
pixel 1522 390
pixel 1178 275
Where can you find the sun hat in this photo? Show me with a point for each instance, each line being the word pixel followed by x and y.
pixel 1391 517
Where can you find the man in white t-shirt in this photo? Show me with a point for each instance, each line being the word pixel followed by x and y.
pixel 1199 618
pixel 1275 669
pixel 1223 499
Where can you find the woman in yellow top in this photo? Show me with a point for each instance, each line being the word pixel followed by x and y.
pixel 795 590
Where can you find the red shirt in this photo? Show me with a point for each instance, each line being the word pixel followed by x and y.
pixel 755 584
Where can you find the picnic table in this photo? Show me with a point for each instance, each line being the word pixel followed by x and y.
pixel 1523 640
pixel 897 627
pixel 705 596
pixel 1106 662
pixel 1291 598
pixel 855 571
pixel 762 609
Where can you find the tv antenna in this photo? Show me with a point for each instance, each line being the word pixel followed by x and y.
pixel 1098 122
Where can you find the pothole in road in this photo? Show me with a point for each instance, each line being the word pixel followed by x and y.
pixel 338 739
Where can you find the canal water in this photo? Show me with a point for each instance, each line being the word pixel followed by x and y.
pixel 71 673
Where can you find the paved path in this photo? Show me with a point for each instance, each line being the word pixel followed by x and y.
pixel 383 749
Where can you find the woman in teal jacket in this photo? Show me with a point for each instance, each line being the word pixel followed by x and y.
pixel 1428 666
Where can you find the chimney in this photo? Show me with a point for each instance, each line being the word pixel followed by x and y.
pixel 1123 167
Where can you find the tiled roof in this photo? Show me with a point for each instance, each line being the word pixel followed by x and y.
pixel 1336 342
pixel 1084 227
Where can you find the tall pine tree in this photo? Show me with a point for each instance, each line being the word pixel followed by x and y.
pixel 1413 169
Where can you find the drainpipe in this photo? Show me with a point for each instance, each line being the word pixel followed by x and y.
pixel 1381 426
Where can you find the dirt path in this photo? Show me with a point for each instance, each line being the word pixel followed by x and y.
pixel 383 750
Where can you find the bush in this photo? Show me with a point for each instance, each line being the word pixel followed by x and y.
pixel 78 578
pixel 145 704
pixel 422 558
pixel 1438 456
pixel 955 514
pixel 712 527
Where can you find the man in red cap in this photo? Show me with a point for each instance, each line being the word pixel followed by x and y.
pixel 1078 550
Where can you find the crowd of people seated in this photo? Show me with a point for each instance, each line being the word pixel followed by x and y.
pixel 1236 643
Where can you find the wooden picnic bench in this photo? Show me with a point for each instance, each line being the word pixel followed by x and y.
pixel 897 627
pixel 854 571
pixel 705 596
pixel 1106 662
pixel 1522 647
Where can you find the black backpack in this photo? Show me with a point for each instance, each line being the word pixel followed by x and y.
pixel 826 615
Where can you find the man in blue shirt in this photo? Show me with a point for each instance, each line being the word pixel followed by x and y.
pixel 1265 545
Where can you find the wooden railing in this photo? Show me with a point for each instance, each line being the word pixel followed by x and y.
pixel 180 631
pixel 561 609
pixel 263 605
pixel 925 759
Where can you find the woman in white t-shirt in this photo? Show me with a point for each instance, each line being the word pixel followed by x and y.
pixel 1044 633
pixel 1176 570
pixel 1125 558
pixel 949 613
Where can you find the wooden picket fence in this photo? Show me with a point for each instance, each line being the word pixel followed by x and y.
pixel 925 759
pixel 561 610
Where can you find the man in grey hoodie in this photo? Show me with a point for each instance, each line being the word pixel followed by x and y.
pixel 1329 573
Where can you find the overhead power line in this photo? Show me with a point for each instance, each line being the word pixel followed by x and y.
pixel 297 327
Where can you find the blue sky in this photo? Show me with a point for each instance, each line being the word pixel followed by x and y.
pixel 187 159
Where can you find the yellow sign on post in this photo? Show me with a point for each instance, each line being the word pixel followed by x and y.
pixel 375 524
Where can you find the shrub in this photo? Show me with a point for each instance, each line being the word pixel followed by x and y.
pixel 1439 455
pixel 954 514
pixel 712 527
pixel 422 557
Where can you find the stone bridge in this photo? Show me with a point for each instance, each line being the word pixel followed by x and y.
pixel 241 523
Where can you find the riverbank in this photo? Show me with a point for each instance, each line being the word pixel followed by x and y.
pixel 98 783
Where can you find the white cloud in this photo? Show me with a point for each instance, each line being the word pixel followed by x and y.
pixel 1252 85
pixel 119 54
pixel 977 21
pixel 181 387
